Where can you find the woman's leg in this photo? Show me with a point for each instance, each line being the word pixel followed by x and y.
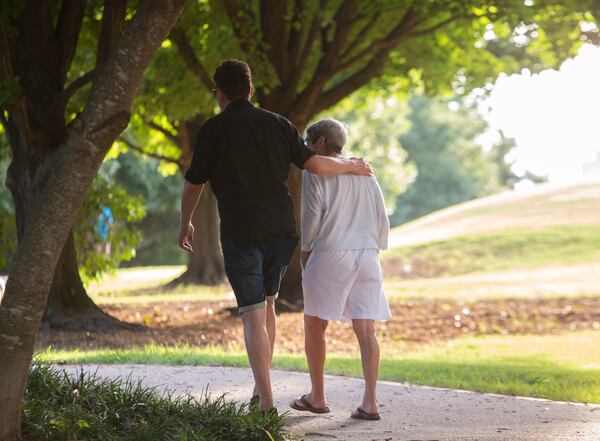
pixel 369 352
pixel 314 345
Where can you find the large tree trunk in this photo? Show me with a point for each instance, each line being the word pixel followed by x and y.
pixel 35 131
pixel 290 294
pixel 54 210
pixel 13 375
pixel 69 307
pixel 205 264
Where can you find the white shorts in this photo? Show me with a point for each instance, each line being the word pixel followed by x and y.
pixel 344 285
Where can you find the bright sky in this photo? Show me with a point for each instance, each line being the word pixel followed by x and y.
pixel 554 116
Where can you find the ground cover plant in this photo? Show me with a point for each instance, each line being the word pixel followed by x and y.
pixel 85 407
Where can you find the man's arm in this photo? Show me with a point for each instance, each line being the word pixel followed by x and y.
pixel 189 200
pixel 328 165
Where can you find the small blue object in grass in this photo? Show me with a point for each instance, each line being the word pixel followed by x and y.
pixel 105 220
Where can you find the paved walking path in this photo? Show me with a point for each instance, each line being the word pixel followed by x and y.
pixel 408 412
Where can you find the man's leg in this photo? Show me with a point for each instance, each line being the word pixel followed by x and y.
pixel 315 347
pixel 271 332
pixel 271 326
pixel 369 352
pixel 259 353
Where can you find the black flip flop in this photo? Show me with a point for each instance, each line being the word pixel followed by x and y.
pixel 360 414
pixel 307 407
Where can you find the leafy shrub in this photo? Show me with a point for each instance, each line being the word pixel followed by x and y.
pixel 63 407
pixel 106 229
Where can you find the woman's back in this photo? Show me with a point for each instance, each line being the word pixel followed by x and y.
pixel 342 212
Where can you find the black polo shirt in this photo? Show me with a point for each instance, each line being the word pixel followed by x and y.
pixel 245 153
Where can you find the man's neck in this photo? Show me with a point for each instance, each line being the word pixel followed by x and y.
pixel 223 104
pixel 227 103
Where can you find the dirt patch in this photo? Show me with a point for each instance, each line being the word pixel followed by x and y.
pixel 414 323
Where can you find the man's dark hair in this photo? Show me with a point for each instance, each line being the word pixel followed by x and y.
pixel 233 78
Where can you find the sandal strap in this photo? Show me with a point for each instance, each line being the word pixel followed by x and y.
pixel 305 402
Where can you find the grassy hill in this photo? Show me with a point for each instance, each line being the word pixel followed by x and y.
pixel 550 225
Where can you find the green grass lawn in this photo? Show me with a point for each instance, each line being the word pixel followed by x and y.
pixel 190 293
pixel 549 282
pixel 146 284
pixel 547 205
pixel 559 367
pixel 125 281
pixel 496 251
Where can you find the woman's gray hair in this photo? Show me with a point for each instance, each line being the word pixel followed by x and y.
pixel 334 132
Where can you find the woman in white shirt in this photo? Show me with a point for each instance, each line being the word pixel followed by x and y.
pixel 344 225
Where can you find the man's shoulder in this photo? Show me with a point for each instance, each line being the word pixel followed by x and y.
pixel 252 112
pixel 273 115
pixel 212 122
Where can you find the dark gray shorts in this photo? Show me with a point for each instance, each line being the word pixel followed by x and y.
pixel 255 271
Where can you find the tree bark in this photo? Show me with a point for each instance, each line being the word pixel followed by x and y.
pixel 54 210
pixel 290 295
pixel 34 137
pixel 69 307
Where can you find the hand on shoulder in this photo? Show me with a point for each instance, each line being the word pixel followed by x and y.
pixel 361 167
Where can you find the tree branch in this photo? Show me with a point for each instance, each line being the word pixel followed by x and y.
pixel 113 24
pixel 352 83
pixel 324 31
pixel 77 84
pixel 187 54
pixel 344 19
pixel 15 104
pixel 138 149
pixel 237 22
pixel 432 29
pixel 360 35
pixel 299 63
pixel 403 31
pixel 242 17
pixel 170 135
pixel 359 56
pixel 273 27
pixel 399 32
pixel 66 32
pixel 311 36
pixel 294 44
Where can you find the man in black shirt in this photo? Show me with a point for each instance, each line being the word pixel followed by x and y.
pixel 245 153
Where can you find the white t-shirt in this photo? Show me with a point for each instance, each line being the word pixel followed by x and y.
pixel 343 212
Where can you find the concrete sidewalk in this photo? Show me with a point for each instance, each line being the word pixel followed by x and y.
pixel 408 412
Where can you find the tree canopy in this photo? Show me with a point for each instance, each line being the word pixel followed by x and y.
pixel 451 166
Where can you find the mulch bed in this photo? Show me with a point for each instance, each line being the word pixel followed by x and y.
pixel 414 323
